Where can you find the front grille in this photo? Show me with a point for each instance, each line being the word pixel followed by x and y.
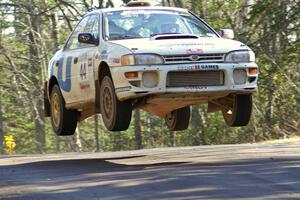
pixel 195 78
pixel 216 57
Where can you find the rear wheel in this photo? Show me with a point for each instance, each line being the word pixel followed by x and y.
pixel 178 119
pixel 116 114
pixel 240 111
pixel 63 121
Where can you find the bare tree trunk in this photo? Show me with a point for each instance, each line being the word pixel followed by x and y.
pixel 100 4
pixel 54 33
pixel 109 4
pixel 54 39
pixel 97 133
pixel 1 127
pixel 77 140
pixel 270 89
pixel 197 126
pixel 66 18
pixel 269 113
pixel 137 129
pixel 40 126
pixel 193 6
pixel 178 3
pixel 172 138
pixel 36 94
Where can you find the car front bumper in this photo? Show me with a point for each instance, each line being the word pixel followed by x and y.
pixel 130 88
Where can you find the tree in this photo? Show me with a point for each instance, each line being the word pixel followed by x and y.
pixel 137 129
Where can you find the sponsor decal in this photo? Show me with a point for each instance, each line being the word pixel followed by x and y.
pixel 188 44
pixel 209 66
pixel 198 67
pixel 84 85
pixel 83 71
pixel 97 56
pixel 194 51
pixel 90 62
pixel 83 57
pixel 195 88
pixel 104 55
pixel 114 60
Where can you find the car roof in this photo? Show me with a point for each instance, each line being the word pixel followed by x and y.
pixel 164 8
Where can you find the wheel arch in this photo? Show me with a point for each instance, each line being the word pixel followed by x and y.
pixel 103 69
pixel 48 85
pixel 52 82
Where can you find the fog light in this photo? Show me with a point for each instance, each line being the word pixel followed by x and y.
pixel 131 74
pixel 150 79
pixel 239 76
pixel 252 71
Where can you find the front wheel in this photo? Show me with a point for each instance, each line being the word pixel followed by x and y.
pixel 240 111
pixel 63 121
pixel 179 119
pixel 116 114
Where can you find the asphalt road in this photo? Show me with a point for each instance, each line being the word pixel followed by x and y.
pixel 254 171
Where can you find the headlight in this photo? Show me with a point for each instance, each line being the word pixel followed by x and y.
pixel 141 59
pixel 240 56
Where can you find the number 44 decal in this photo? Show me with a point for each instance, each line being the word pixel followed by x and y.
pixel 83 71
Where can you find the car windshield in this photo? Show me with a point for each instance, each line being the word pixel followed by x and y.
pixel 147 23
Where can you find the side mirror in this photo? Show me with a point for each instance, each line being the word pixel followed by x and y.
pixel 87 38
pixel 227 33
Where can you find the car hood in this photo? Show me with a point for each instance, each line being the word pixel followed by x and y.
pixel 181 46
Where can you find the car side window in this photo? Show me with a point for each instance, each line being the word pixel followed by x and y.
pixel 95 29
pixel 93 26
pixel 89 24
pixel 73 41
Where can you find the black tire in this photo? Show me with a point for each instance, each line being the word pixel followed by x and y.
pixel 179 119
pixel 63 121
pixel 241 111
pixel 116 114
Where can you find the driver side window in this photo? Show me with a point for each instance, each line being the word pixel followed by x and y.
pixel 93 26
pixel 89 24
pixel 73 41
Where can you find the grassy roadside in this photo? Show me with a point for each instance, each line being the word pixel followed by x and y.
pixel 291 140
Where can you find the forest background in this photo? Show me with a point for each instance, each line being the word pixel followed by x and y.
pixel 32 30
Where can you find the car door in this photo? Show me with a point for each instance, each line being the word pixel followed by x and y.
pixel 86 62
pixel 79 57
pixel 68 65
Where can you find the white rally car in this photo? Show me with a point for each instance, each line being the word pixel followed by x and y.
pixel 159 59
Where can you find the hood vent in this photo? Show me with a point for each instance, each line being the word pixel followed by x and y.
pixel 175 36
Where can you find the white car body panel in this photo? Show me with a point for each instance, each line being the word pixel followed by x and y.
pixel 78 89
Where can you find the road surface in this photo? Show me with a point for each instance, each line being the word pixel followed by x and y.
pixel 249 171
